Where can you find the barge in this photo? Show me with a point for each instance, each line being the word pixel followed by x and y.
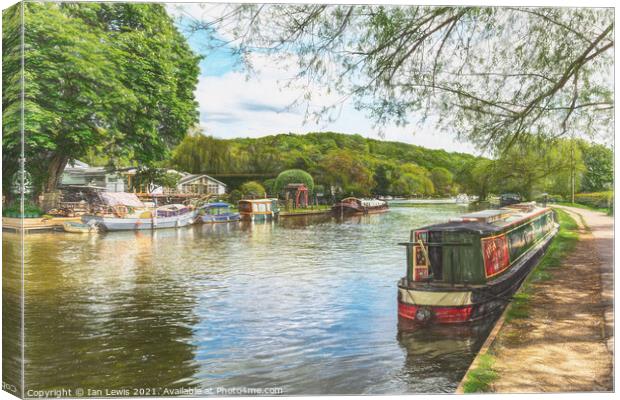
pixel 258 209
pixel 469 268
pixel 355 206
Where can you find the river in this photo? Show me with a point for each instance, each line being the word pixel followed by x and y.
pixel 306 305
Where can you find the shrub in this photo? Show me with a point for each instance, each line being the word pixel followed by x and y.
pixel 293 176
pixel 252 189
pixel 596 199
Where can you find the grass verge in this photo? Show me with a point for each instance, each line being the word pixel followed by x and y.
pixel 480 378
pixel 561 246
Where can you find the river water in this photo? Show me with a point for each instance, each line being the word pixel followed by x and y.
pixel 306 305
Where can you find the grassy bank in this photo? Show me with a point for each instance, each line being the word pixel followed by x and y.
pixel 480 378
pixel 312 209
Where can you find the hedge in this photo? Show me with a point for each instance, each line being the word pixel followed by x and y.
pixel 596 199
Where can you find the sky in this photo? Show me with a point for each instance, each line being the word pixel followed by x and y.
pixel 235 104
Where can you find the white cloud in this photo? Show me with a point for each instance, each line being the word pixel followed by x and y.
pixel 233 106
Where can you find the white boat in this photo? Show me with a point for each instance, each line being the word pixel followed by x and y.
pixel 170 216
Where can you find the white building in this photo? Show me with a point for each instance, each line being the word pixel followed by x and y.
pixel 82 174
pixel 200 184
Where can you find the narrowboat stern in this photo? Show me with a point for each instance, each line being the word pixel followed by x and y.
pixel 469 268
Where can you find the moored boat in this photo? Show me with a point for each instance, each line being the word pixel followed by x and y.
pixel 258 209
pixel 169 216
pixel 217 213
pixel 76 227
pixel 468 268
pixel 355 206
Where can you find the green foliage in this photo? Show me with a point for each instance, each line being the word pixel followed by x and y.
pixel 412 180
pixel 114 78
pixel 490 73
pixel 596 200
pixel 235 195
pixel 599 167
pixel 480 378
pixel 293 176
pixel 149 177
pixel 269 185
pixel 30 211
pixel 478 177
pixel 349 163
pixel 252 189
pixel 442 180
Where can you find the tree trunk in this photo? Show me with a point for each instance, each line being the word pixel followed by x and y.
pixel 55 169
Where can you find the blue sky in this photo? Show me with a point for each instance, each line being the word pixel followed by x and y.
pixel 235 104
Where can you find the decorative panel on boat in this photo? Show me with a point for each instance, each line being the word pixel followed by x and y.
pixel 495 253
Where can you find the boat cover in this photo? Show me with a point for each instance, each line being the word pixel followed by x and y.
pixel 121 199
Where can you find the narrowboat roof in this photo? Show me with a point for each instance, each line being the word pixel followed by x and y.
pixel 488 221
pixel 217 205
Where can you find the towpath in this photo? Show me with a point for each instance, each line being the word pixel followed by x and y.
pixel 566 344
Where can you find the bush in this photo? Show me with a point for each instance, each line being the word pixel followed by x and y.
pixel 252 189
pixel 596 199
pixel 30 211
pixel 293 176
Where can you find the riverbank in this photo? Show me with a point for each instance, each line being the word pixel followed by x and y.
pixel 322 209
pixel 557 335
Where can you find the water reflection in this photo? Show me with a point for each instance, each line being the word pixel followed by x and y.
pixel 307 304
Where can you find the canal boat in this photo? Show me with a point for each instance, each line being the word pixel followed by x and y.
pixel 258 209
pixel 217 213
pixel 469 268
pixel 355 206
pixel 169 216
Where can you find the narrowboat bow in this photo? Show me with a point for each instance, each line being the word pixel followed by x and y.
pixel 468 268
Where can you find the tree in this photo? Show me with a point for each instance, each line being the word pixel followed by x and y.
pixel 492 74
pixel 534 166
pixel 293 176
pixel 410 184
pixel 149 178
pixel 599 167
pixel 442 180
pixel 252 189
pixel 114 77
pixel 478 177
pixel 269 185
pixel 347 173
pixel 412 179
pixel 200 154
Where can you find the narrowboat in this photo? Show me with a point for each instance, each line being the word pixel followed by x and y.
pixel 258 209
pixel 355 206
pixel 216 213
pixel 169 216
pixel 469 268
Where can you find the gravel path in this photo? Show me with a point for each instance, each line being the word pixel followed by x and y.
pixel 566 345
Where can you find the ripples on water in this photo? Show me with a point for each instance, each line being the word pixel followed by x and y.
pixel 307 304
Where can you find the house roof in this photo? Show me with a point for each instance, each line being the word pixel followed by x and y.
pixel 190 178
